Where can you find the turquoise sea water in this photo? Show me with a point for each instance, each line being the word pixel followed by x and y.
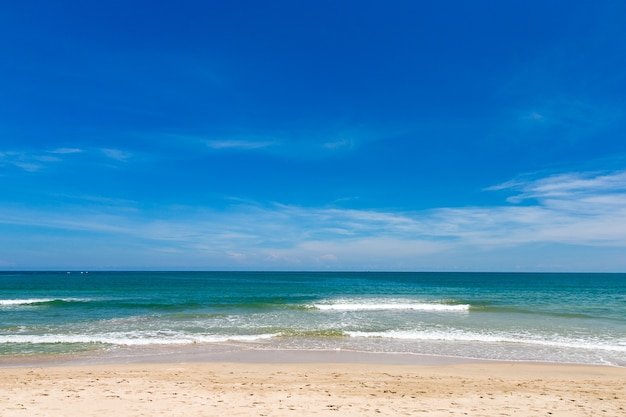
pixel 563 318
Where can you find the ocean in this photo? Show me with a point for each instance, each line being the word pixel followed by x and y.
pixel 557 318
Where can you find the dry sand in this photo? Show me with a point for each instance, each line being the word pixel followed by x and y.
pixel 307 389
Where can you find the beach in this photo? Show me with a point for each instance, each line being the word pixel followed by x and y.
pixel 344 344
pixel 312 388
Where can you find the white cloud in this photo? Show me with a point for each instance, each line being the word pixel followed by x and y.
pixel 306 142
pixel 27 166
pixel 239 144
pixel 66 150
pixel 32 161
pixel 100 223
pixel 237 256
pixel 23 160
pixel 585 209
pixel 342 143
pixel 565 186
pixel 117 154
pixel 84 199
pixel 589 209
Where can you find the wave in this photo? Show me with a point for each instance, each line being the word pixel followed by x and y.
pixel 41 301
pixel 97 303
pixel 456 336
pixel 380 305
pixel 130 339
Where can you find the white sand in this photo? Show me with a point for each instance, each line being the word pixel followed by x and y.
pixel 337 389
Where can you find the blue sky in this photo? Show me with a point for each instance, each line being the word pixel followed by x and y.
pixel 313 135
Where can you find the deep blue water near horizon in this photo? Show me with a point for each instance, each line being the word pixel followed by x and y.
pixel 552 317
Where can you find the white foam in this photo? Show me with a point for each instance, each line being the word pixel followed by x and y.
pixel 28 301
pixel 15 302
pixel 131 339
pixel 458 336
pixel 377 305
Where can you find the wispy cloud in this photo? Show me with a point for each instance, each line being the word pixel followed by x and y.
pixel 38 161
pixel 65 151
pixel 584 209
pixel 303 142
pixel 20 160
pixel 240 144
pixel 27 166
pixel 100 223
pixel 579 118
pixel 32 161
pixel 565 186
pixel 117 154
pixel 339 144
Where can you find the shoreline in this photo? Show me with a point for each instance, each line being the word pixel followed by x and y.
pixel 237 355
pixel 313 388
pixel 240 354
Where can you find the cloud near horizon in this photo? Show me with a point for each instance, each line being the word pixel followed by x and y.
pixel 586 209
pixel 567 185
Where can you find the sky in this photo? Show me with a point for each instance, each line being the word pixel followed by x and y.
pixel 313 135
